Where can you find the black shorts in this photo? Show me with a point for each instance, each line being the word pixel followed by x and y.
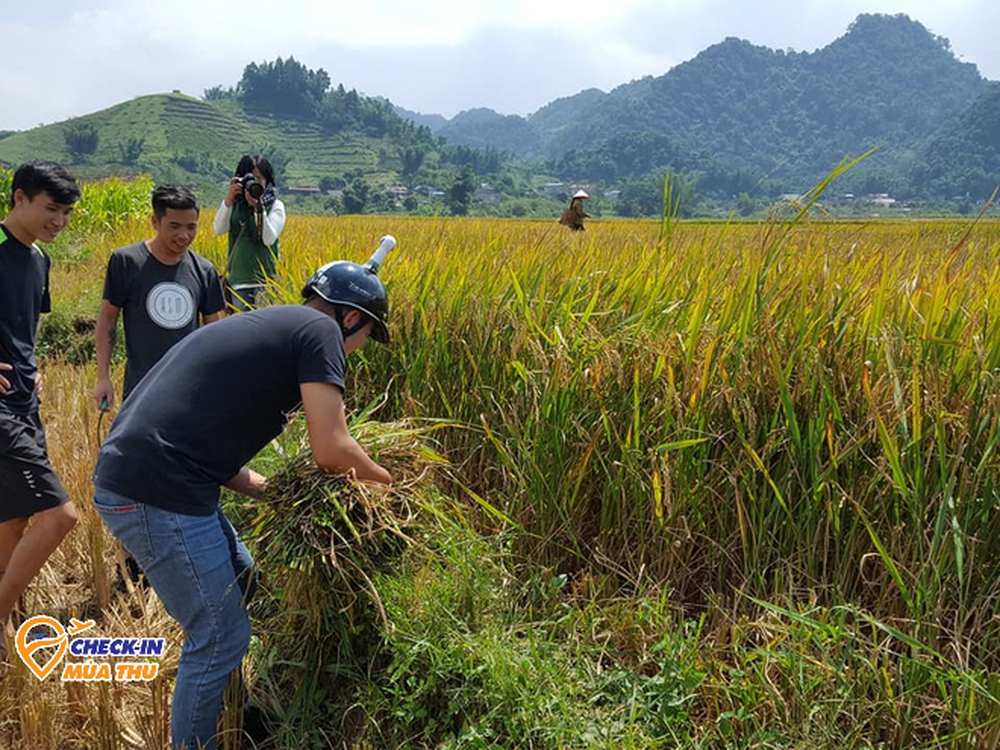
pixel 28 483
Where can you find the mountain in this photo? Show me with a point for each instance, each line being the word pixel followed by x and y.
pixel 789 117
pixel 887 82
pixel 431 122
pixel 181 138
pixel 484 128
pixel 556 115
pixel 963 158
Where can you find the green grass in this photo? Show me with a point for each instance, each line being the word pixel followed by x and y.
pixel 431 634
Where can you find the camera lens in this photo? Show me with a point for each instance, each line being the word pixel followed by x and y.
pixel 251 186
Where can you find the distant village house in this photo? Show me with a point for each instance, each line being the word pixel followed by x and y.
pixel 303 190
pixel 881 199
pixel 487 194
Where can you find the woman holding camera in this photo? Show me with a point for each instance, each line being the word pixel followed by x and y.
pixel 253 216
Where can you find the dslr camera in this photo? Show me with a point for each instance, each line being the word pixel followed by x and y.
pixel 251 186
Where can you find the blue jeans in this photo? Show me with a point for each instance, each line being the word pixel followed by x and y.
pixel 202 572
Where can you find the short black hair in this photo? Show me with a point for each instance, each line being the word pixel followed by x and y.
pixel 35 177
pixel 177 197
pixel 258 161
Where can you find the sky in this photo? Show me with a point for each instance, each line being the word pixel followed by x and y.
pixel 66 59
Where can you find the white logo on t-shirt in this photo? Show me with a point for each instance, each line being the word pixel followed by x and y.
pixel 170 305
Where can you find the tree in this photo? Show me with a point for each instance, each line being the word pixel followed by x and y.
pixel 355 197
pixel 648 195
pixel 412 158
pixel 6 178
pixel 461 191
pixel 479 160
pixel 200 163
pixel 131 150
pixel 333 112
pixel 284 88
pixel 381 202
pixel 218 93
pixel 81 139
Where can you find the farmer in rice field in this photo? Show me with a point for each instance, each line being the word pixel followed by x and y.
pixel 573 216
pixel 42 197
pixel 163 290
pixel 189 428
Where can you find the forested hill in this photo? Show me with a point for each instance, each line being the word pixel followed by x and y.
pixel 791 116
pixel 309 128
pixel 484 128
pixel 888 81
pixel 963 159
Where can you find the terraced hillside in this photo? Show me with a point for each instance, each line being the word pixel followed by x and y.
pixel 183 134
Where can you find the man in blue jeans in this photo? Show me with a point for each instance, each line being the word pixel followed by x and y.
pixel 205 409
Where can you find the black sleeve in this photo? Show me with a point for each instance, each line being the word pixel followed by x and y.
pixel 115 283
pixel 212 299
pixel 321 357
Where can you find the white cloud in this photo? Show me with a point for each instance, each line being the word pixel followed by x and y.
pixel 513 56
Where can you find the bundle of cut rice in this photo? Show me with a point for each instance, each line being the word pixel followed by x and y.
pixel 334 530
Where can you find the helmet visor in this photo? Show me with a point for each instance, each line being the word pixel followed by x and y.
pixel 380 332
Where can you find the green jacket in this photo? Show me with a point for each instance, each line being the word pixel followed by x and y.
pixel 250 260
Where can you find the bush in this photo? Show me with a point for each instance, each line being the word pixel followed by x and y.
pixel 67 337
pixel 6 178
pixel 81 139
pixel 132 149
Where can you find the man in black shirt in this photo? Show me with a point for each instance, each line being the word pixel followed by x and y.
pixel 42 197
pixel 163 289
pixel 205 409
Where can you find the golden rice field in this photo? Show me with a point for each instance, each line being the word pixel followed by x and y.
pixel 727 485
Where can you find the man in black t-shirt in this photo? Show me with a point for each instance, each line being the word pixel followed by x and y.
pixel 190 427
pixel 42 197
pixel 162 288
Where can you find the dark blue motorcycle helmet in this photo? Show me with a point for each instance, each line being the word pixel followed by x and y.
pixel 358 287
